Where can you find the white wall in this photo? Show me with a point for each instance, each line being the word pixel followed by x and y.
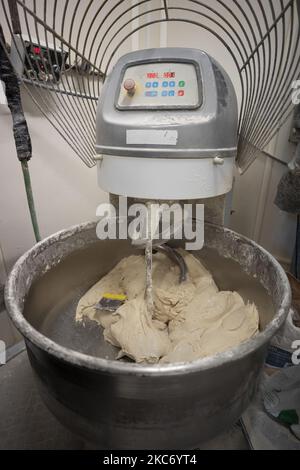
pixel 65 190
pixel 254 212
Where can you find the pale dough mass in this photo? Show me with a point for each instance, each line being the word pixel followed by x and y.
pixel 191 320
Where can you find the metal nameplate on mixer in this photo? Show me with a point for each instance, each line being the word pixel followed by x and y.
pixel 151 136
pixel 160 85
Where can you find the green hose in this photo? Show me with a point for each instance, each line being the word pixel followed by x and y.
pixel 30 200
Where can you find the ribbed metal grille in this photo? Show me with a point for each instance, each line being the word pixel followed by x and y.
pixel 260 36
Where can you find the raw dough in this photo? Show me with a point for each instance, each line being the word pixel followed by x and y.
pixel 191 320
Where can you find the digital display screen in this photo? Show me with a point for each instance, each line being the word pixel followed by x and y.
pixel 161 85
pixel 162 75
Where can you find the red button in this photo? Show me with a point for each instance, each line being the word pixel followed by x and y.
pixel 129 86
pixel 180 92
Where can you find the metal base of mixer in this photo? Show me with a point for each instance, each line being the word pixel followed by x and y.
pixel 26 423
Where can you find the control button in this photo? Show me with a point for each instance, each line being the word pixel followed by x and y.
pixel 180 92
pixel 171 93
pixel 165 84
pixel 150 93
pixel 129 86
pixel 172 83
pixel 164 93
pixel 155 84
pixel 148 84
pixel 181 83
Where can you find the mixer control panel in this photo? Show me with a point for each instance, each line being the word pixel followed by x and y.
pixel 160 85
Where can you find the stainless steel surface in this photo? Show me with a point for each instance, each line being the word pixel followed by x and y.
pixel 205 130
pixel 126 405
pixel 26 423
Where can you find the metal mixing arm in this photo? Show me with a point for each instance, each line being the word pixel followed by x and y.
pixel 176 257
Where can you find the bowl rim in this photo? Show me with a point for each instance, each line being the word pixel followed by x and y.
pixel 110 366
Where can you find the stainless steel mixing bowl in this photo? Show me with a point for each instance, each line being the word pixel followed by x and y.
pixel 115 404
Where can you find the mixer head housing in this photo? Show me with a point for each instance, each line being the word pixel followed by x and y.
pixel 167 126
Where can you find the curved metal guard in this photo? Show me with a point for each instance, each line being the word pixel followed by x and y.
pixel 77 43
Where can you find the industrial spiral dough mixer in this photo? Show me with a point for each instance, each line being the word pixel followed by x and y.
pixel 166 130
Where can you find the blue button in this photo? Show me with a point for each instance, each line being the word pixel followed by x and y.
pixel 164 84
pixel 171 93
pixel 172 83
pixel 164 93
pixel 155 84
pixel 151 93
pixel 148 84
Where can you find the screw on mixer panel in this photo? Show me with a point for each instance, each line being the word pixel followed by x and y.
pixel 218 160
